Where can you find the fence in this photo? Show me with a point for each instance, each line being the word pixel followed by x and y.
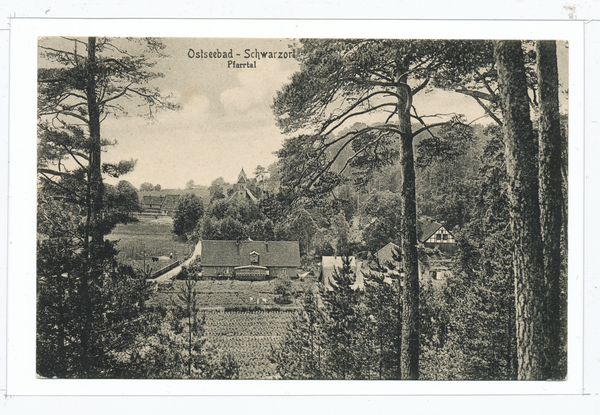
pixel 165 269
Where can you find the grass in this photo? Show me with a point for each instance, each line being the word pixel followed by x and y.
pixel 150 236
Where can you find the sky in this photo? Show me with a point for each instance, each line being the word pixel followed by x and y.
pixel 225 122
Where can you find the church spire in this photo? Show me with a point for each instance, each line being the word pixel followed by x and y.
pixel 242 178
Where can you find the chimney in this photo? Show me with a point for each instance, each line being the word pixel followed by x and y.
pixel 267 245
pixel 237 244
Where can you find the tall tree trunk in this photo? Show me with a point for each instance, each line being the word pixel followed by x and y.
pixel 95 168
pixel 409 362
pixel 551 198
pixel 521 153
pixel 95 193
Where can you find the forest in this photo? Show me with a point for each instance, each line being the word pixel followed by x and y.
pixel 359 167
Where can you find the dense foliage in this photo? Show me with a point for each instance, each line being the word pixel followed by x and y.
pixel 189 211
pixel 467 322
pixel 112 306
pixel 344 333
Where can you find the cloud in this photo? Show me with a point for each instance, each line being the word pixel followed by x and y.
pixel 257 87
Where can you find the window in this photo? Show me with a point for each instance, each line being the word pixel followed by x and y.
pixel 445 237
pixel 438 237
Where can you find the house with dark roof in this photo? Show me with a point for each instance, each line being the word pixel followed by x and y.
pixel 433 234
pixel 250 260
pixel 159 205
pixel 169 205
pixel 151 205
pixel 434 269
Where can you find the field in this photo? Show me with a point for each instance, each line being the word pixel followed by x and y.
pixel 228 294
pixel 152 236
pixel 242 318
pixel 248 336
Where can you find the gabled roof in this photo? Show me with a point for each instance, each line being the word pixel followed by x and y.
pixel 428 228
pixel 251 196
pixel 272 253
pixel 170 202
pixel 152 200
pixel 243 194
pixel 386 254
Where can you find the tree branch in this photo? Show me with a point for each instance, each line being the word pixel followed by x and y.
pixel 420 87
pixel 76 198
pixel 355 134
pixel 489 112
pixel 61 51
pixel 477 94
pixel 68 113
pixel 348 116
pixel 119 95
pixel 359 151
pixel 426 128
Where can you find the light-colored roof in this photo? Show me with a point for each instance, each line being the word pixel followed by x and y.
pixel 386 254
pixel 271 253
pixel 331 263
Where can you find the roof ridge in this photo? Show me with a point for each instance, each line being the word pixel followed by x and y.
pixel 244 241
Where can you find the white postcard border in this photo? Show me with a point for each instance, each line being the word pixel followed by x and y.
pixel 21 378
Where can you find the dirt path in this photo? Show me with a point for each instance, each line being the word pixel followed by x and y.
pixel 171 274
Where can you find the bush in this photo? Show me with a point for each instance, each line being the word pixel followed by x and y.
pixel 284 291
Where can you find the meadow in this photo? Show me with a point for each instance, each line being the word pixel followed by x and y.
pixel 153 237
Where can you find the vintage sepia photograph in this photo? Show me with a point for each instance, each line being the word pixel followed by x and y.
pixel 301 208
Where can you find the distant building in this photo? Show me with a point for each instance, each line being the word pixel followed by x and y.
pixel 434 235
pixel 151 205
pixel 169 205
pixel 250 260
pixel 159 205
pixel 240 189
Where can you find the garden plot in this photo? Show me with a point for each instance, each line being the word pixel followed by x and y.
pixel 248 337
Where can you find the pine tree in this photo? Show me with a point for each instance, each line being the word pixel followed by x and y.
pixel 521 155
pixel 76 92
